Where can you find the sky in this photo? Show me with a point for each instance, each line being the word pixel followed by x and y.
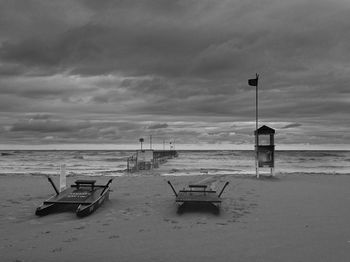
pixel 87 72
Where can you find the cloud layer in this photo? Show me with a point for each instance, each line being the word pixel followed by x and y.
pixel 113 71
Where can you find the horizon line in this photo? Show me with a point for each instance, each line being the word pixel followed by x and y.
pixel 201 147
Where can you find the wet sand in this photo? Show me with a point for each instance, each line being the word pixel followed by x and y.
pixel 287 218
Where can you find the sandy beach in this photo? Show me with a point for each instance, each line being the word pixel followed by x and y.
pixel 287 218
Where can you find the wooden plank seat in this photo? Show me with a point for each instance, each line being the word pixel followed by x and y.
pixel 197 189
pixel 85 183
pixel 198 186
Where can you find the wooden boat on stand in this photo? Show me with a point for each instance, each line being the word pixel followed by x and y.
pixel 84 196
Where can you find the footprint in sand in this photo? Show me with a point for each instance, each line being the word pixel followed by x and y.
pixel 79 228
pixel 70 239
pixel 239 208
pixel 226 209
pixel 59 249
pixel 13 201
pixel 146 213
pixel 170 221
pixel 236 214
pixel 127 211
pixel 252 192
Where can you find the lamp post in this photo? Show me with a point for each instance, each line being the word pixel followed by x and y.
pixel 254 82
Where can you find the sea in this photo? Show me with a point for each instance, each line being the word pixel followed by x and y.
pixel 213 162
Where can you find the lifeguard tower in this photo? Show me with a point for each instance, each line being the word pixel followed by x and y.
pixel 265 149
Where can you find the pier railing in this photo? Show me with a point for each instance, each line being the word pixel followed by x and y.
pixel 149 159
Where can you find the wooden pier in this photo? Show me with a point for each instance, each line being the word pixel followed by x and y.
pixel 149 159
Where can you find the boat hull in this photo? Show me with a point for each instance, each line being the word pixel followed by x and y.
pixel 45 209
pixel 85 210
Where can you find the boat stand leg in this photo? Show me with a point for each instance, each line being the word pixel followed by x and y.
pixel 172 188
pixel 53 185
pixel 222 190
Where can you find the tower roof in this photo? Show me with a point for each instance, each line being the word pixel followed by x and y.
pixel 265 130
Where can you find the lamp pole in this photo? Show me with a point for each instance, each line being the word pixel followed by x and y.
pixel 256 127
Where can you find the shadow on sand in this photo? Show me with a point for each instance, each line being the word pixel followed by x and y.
pixel 198 208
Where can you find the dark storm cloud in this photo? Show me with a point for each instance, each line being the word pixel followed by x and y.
pixel 178 59
pixel 151 38
pixel 165 38
pixel 292 125
pixel 158 126
pixel 47 126
pixel 28 52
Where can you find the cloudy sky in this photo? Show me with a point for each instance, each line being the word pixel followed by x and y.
pixel 110 72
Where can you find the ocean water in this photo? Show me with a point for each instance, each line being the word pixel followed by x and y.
pixel 113 163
